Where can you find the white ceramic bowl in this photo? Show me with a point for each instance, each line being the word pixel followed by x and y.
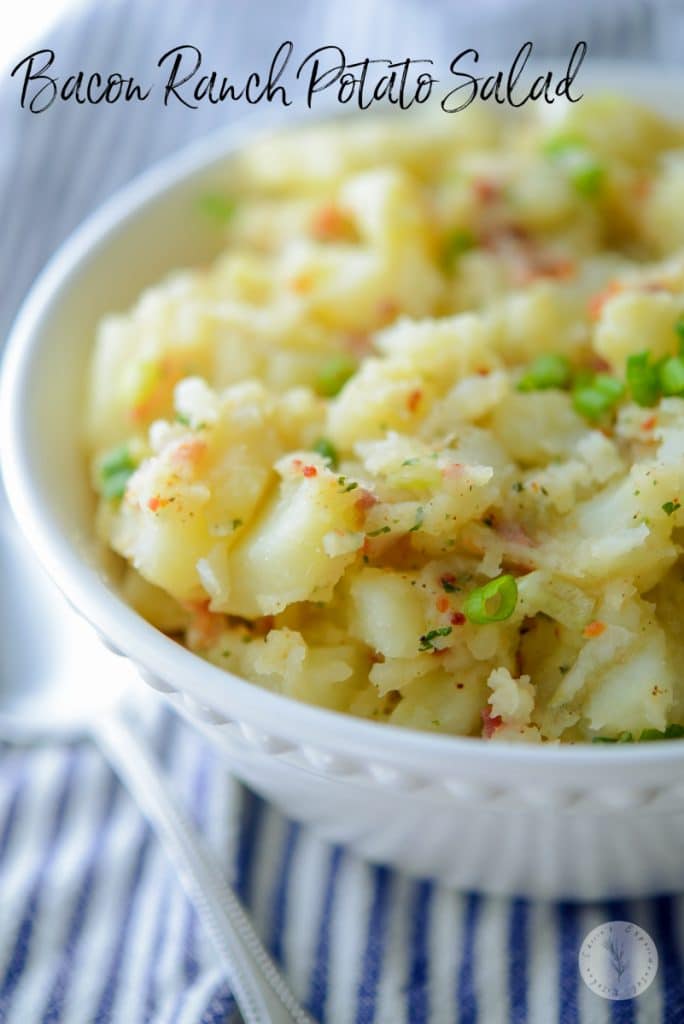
pixel 577 822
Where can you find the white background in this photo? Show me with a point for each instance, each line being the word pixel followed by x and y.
pixel 25 22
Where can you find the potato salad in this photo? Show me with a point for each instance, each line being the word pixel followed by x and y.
pixel 412 446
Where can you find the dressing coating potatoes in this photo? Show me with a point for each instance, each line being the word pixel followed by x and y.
pixel 413 446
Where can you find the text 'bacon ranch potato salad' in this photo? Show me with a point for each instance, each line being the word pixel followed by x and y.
pixel 413 446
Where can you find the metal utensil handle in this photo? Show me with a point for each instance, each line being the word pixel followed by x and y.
pixel 260 990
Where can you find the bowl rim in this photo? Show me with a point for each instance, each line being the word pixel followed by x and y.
pixel 262 709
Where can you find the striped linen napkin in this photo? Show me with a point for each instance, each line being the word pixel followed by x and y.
pixel 94 927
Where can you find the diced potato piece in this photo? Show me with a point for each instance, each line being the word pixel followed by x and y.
pixel 379 398
pixel 138 359
pixel 281 557
pixel 437 704
pixel 663 213
pixel 625 528
pixel 543 317
pixel 153 603
pixel 633 322
pixel 635 692
pixel 313 159
pixel 537 426
pixel 387 612
pixel 199 489
pixel 617 127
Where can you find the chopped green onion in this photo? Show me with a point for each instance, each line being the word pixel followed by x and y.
pixel 217 207
pixel 679 328
pixel 672 375
pixel 672 732
pixel 611 387
pixel 334 374
pixel 455 244
pixel 583 169
pixel 115 469
pixel 493 602
pixel 671 506
pixel 595 395
pixel 327 450
pixel 559 145
pixel 546 371
pixel 420 513
pixel 643 379
pixel 624 737
pixel 426 642
pixel 591 403
pixel 587 177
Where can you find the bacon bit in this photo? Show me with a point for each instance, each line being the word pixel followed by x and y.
pixel 515 533
pixel 304 470
pixel 649 423
pixel 598 364
pixel 265 624
pixel 642 187
pixel 490 723
pixel 472 545
pixel 598 301
pixel 376 658
pixel 330 223
pixel 156 502
pixel 413 400
pixel 517 568
pixel 189 452
pixel 365 501
pixel 442 603
pixel 457 619
pixel 387 310
pixel 486 191
pixel 205 626
pixel 453 470
pixel 594 629
pixel 555 269
pixel 358 343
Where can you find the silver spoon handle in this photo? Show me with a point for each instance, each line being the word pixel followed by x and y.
pixel 260 990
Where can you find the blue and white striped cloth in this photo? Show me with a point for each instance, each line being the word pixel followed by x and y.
pixel 94 927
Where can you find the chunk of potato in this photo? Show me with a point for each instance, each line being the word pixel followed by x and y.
pixel 386 612
pixel 281 557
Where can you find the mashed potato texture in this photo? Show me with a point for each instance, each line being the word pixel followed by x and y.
pixel 412 448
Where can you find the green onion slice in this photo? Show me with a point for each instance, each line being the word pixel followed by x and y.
pixel 334 374
pixel 671 373
pixel 643 379
pixel 546 371
pixel 115 469
pixel 327 450
pixel 217 207
pixel 460 240
pixel 493 602
pixel 679 329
